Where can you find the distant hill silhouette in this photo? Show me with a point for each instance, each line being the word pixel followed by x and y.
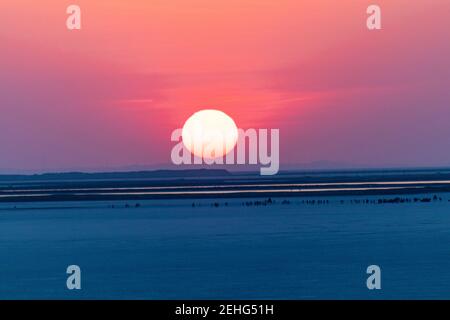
pixel 194 173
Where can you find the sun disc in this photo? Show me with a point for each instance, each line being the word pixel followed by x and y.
pixel 209 134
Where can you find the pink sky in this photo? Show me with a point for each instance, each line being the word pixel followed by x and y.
pixel 110 94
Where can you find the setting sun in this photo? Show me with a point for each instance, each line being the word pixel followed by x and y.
pixel 209 134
